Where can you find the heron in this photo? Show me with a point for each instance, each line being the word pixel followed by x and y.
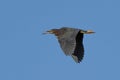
pixel 71 41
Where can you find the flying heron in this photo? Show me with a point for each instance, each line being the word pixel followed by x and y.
pixel 71 41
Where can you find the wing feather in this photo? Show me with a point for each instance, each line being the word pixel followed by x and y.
pixel 79 49
pixel 68 41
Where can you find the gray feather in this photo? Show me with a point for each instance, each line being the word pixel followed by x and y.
pixel 67 41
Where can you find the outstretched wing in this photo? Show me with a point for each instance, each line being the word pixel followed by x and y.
pixel 67 45
pixel 68 41
pixel 79 49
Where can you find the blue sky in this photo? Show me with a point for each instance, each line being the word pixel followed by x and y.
pixel 26 54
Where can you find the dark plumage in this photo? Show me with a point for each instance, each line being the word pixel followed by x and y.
pixel 79 49
pixel 71 41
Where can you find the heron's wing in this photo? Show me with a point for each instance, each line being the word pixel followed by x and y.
pixel 78 53
pixel 79 49
pixel 68 41
pixel 67 45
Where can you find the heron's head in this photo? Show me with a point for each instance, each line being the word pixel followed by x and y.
pixel 56 32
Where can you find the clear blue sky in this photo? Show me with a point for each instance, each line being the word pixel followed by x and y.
pixel 26 54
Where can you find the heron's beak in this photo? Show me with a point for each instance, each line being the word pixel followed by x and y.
pixel 48 32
